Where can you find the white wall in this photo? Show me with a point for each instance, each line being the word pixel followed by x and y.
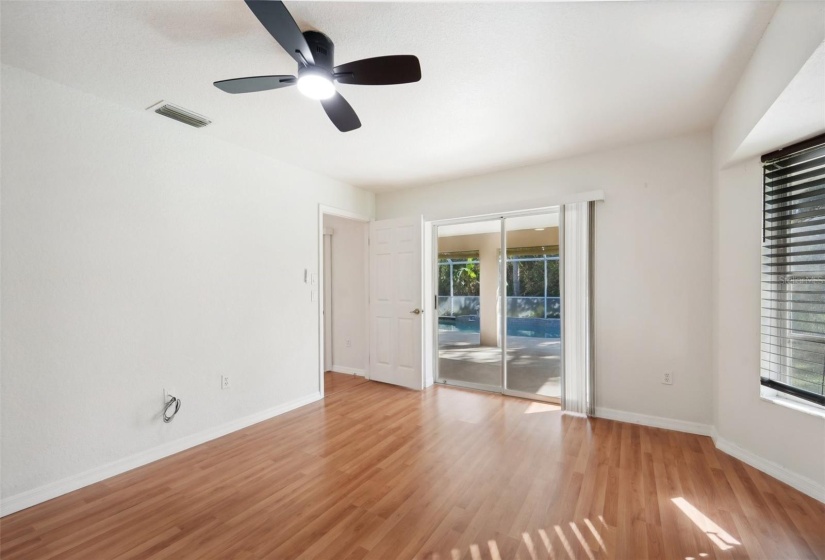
pixel 789 438
pixel 652 262
pixel 138 254
pixel 349 294
pixel 788 443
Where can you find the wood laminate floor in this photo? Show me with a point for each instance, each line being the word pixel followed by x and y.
pixel 335 382
pixel 379 472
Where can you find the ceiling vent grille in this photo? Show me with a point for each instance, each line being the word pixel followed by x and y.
pixel 182 115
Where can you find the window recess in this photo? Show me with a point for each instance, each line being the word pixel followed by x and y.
pixel 793 271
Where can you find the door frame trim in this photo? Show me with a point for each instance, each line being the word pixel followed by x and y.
pixel 341 213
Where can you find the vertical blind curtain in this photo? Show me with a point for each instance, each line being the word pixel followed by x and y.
pixel 793 272
pixel 577 375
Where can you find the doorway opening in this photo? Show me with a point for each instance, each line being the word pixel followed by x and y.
pixel 344 302
pixel 498 286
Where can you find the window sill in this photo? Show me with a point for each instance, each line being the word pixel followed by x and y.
pixel 775 397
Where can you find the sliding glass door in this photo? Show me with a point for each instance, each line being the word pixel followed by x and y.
pixel 469 349
pixel 499 305
pixel 533 306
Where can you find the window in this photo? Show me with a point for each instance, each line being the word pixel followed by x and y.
pixel 459 284
pixel 793 271
pixel 458 274
pixel 533 282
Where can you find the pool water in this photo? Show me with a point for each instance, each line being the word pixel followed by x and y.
pixel 450 326
pixel 532 328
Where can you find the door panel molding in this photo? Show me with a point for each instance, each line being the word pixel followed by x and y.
pixel 396 354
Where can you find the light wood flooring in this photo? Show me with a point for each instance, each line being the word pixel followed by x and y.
pixel 335 382
pixel 380 472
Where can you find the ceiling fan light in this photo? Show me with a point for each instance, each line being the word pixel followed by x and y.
pixel 316 86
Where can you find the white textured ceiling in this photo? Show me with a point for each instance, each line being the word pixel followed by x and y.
pixel 504 84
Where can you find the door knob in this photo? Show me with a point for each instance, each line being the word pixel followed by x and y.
pixel 416 312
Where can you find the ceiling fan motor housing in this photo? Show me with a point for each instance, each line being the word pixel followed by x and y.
pixel 323 50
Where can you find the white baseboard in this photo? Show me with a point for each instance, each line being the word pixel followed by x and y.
pixel 654 421
pixel 349 370
pixel 801 483
pixel 54 489
pixel 792 479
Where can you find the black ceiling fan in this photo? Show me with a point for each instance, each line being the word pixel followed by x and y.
pixel 314 53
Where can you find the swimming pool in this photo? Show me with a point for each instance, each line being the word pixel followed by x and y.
pixel 451 326
pixel 532 328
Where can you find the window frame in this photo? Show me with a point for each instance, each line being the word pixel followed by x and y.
pixel 782 320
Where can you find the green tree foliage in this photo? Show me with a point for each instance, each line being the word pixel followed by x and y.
pixel 466 277
pixel 443 278
pixel 526 278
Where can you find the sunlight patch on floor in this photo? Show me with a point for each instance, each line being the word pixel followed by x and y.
pixel 536 407
pixel 564 541
pixel 547 545
pixel 573 537
pixel 585 546
pixel 715 533
pixel 595 534
pixel 494 553
pixel 531 548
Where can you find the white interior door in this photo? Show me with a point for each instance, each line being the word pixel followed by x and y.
pixel 396 306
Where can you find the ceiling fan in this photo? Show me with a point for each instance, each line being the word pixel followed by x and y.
pixel 314 53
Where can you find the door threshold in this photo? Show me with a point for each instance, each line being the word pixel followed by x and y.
pixel 498 391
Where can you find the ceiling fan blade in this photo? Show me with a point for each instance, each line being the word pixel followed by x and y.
pixel 380 71
pixel 255 83
pixel 341 113
pixel 279 22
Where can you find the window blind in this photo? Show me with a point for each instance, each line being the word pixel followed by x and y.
pixel 793 271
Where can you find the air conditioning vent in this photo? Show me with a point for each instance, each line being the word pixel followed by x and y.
pixel 182 115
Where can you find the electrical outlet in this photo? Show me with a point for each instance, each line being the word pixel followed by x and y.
pixel 224 382
pixel 349 343
pixel 667 378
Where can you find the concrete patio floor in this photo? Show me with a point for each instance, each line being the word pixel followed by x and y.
pixel 534 364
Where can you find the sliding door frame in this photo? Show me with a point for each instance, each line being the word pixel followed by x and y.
pixel 502 312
